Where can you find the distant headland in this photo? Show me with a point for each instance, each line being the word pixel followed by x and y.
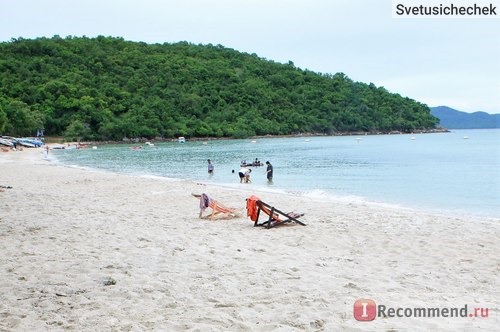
pixel 453 119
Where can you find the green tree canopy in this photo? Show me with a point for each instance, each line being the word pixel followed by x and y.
pixel 108 88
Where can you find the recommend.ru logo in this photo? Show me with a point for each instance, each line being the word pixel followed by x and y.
pixel 366 310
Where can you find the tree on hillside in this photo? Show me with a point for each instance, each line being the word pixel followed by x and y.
pixel 109 88
pixel 20 119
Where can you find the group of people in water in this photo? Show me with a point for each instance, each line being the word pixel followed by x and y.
pixel 244 173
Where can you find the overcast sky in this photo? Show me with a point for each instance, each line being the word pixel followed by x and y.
pixel 438 61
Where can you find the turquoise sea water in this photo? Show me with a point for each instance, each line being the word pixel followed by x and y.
pixel 457 172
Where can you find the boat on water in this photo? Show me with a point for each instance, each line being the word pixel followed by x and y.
pixel 58 147
pixel 182 139
pixel 255 163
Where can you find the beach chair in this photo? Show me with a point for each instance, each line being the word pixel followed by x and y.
pixel 219 211
pixel 276 217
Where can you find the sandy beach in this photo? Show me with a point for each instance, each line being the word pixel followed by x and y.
pixel 89 250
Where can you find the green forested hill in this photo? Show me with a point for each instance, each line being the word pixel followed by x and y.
pixel 107 88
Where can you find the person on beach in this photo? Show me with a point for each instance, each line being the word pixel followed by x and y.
pixel 247 176
pixel 269 171
pixel 241 173
pixel 210 167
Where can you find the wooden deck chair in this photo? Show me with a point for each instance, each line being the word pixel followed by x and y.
pixel 276 217
pixel 219 211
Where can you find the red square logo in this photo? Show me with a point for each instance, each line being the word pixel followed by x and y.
pixel 365 310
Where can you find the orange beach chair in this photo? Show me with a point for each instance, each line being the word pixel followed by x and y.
pixel 219 211
pixel 276 217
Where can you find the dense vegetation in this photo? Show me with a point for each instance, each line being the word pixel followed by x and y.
pixel 107 88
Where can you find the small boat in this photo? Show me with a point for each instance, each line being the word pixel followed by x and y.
pixel 35 142
pixel 149 144
pixel 5 142
pixel 252 164
pixel 25 143
pixel 182 140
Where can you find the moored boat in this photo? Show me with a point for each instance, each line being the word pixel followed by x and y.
pixel 255 163
pixel 6 142
pixel 34 141
pixel 25 143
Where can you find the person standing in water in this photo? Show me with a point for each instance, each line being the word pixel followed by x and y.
pixel 210 167
pixel 269 171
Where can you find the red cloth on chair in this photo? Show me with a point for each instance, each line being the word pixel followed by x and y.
pixel 252 208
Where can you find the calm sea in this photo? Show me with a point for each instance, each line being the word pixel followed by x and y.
pixel 457 172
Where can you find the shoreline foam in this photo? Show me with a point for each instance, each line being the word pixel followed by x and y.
pixel 81 249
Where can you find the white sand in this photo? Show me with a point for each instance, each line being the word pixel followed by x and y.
pixel 65 232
